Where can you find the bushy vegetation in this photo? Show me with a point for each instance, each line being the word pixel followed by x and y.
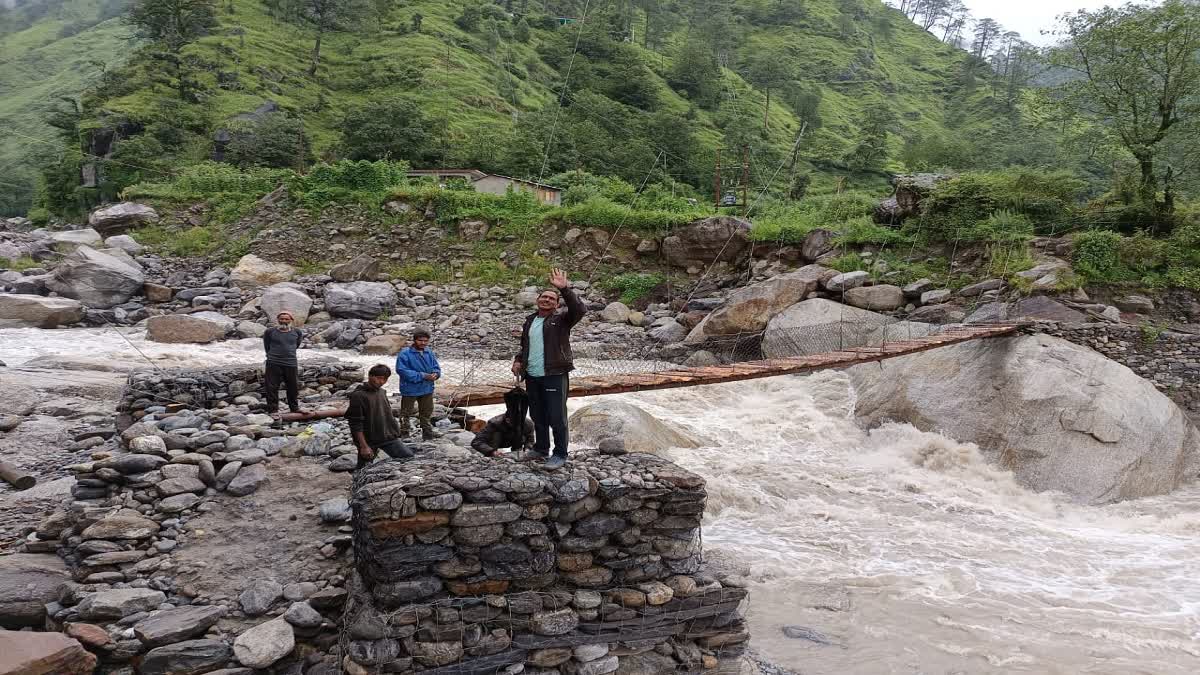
pixel 632 286
pixel 789 223
pixel 957 207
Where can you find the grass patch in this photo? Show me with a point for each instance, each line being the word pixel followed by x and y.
pixel 20 264
pixel 196 241
pixel 846 214
pixel 417 272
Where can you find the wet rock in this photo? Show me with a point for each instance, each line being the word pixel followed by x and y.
pixel 35 311
pixel 359 299
pixel 198 328
pixel 362 268
pixel 302 614
pixel 638 430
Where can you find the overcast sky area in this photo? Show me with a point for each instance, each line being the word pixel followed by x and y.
pixel 1030 17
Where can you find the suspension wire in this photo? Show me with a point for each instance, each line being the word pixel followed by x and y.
pixel 563 93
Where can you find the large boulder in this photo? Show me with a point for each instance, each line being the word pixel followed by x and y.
pixel 27 582
pixel 362 268
pixel 1059 416
pixel 36 311
pixel 264 644
pixel 817 243
pixel 96 279
pixel 359 299
pixel 288 297
pixel 749 309
pixel 117 217
pixel 254 272
pixel 26 653
pixel 198 328
pixel 881 297
pixel 87 237
pixel 641 431
pixel 817 326
pixel 1038 307
pixel 700 243
pixel 911 190
pixel 125 243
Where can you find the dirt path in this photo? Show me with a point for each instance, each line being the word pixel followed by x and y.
pixel 275 533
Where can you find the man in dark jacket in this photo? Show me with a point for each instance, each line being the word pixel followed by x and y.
pixel 280 343
pixel 544 361
pixel 509 430
pixel 372 424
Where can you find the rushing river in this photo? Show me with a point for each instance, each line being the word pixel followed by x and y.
pixel 897 551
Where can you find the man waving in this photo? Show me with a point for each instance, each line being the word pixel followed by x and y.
pixel 544 361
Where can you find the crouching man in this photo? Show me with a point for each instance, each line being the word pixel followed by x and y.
pixel 509 430
pixel 372 423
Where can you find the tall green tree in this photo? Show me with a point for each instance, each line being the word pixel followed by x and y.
pixel 173 23
pixel 393 128
pixel 769 69
pixel 1138 75
pixel 324 16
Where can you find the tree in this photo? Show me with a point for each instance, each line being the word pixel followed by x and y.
pixel 986 32
pixel 392 128
pixel 277 140
pixel 1138 75
pixel 417 18
pixel 769 69
pixel 173 23
pixel 697 72
pixel 871 151
pixel 324 16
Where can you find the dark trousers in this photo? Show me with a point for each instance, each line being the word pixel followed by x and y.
pixel 288 375
pixel 396 449
pixel 548 408
pixel 423 406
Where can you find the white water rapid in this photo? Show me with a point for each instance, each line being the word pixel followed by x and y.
pixel 897 551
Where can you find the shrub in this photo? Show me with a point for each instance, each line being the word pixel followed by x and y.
pixel 346 180
pixel 393 128
pixel 957 204
pixel 20 264
pixel 632 286
pixel 1003 226
pixel 277 140
pixel 1097 256
pixel 864 230
pixel 600 212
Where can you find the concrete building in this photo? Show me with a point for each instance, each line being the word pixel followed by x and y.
pixel 493 183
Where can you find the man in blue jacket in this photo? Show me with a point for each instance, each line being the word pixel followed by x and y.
pixel 418 369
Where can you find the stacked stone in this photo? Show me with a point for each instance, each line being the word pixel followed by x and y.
pixel 471 564
pixel 1168 359
pixel 207 387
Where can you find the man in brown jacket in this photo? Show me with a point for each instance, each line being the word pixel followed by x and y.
pixel 372 424
pixel 544 361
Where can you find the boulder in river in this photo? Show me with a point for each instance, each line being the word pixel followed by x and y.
pixel 36 311
pixel 96 279
pixel 1059 416
pixel 252 271
pixel 198 328
pixel 640 431
pixel 28 581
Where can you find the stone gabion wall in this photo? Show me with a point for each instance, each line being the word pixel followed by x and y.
pixel 1170 360
pixel 471 565
pixel 205 387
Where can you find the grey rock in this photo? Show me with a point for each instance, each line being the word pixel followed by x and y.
pixel 264 644
pixel 303 615
pixel 176 625
pixel 191 657
pixel 248 479
pixel 119 603
pixel 336 510
pixel 259 596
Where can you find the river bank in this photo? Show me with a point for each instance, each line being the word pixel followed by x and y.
pixel 887 551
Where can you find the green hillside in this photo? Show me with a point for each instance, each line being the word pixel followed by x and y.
pixel 56 51
pixel 654 88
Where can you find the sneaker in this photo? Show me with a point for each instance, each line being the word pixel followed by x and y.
pixel 556 462
pixel 532 456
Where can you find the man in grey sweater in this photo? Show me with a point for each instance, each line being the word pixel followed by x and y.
pixel 280 344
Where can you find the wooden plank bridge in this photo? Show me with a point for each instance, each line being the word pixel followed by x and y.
pixel 599 385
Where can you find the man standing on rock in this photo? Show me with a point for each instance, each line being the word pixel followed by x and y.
pixel 280 344
pixel 418 369
pixel 544 361
pixel 372 424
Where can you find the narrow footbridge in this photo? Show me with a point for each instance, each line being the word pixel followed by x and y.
pixel 619 383
pixel 492 392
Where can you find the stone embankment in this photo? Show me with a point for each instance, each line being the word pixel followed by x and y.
pixel 466 564
pixel 237 384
